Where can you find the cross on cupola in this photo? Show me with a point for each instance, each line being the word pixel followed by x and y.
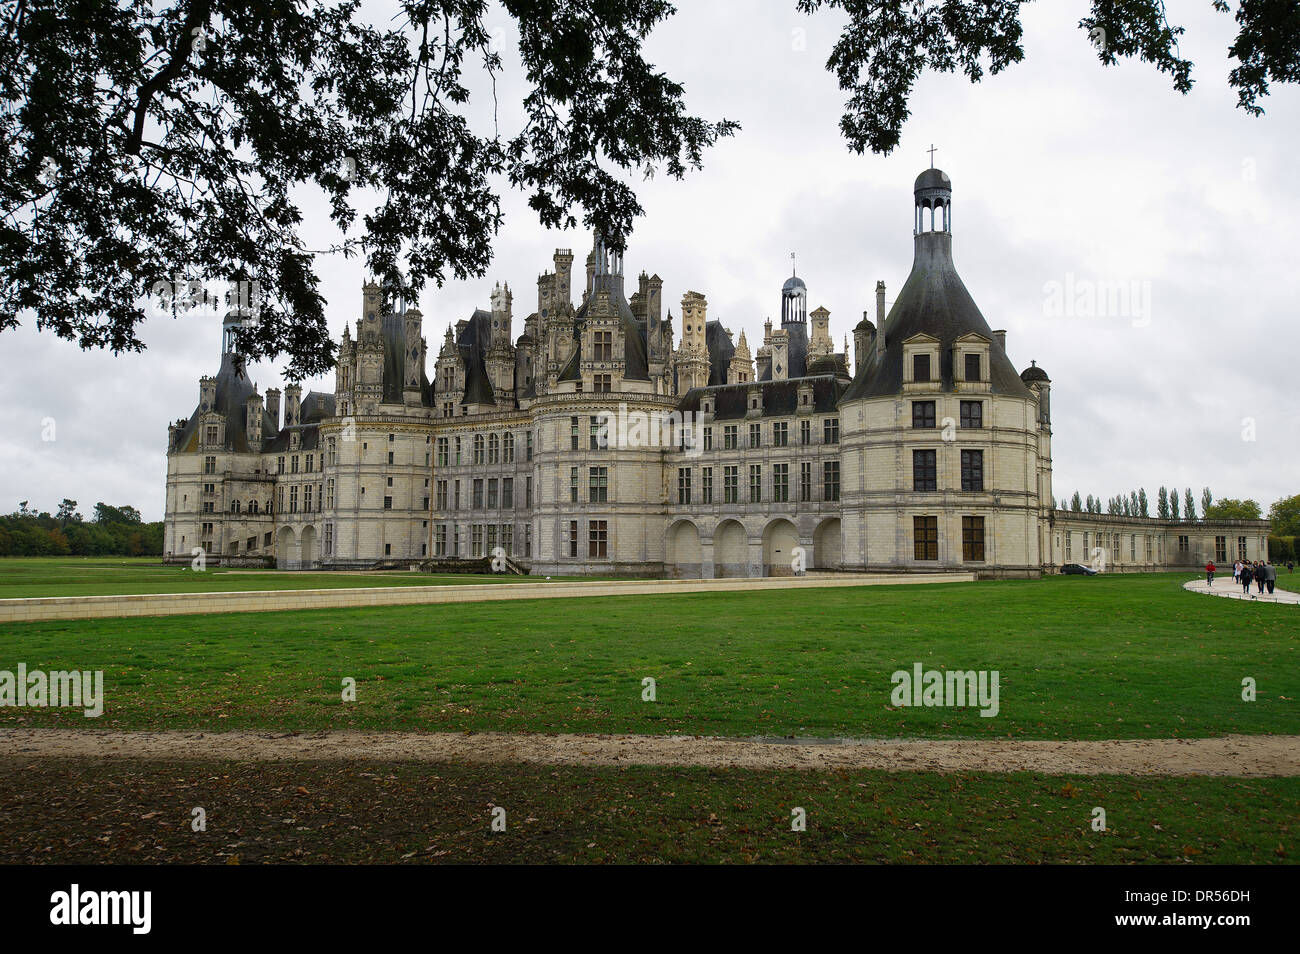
pixel 931 152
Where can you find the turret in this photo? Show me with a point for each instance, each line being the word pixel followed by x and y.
pixel 207 393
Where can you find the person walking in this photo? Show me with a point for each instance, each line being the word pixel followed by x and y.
pixel 1270 577
pixel 1236 572
pixel 1259 575
pixel 1290 566
pixel 1209 573
pixel 1244 575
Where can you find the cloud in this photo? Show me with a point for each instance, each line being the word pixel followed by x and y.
pixel 1060 167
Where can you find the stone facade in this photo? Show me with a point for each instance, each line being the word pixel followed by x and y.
pixel 599 442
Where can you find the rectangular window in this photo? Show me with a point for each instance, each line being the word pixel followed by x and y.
pixel 972 538
pixel 492 494
pixel 920 367
pixel 925 533
pixel 440 540
pixel 805 432
pixel 708 438
pixel 706 485
pixel 597 439
pixel 478 493
pixel 831 430
pixel 780 434
pixel 458 463
pixel 756 435
pixel 924 470
pixel 388 503
pixel 478 448
pixel 598 485
pixel 1184 545
pixel 573 485
pixel 573 539
pixel 972 367
pixel 329 494
pixel 293 462
pixel 528 445
pixel 805 482
pixel 310 460
pixel 1241 548
pixel 329 539
pixel 684 486
pixel 333 451
pixel 528 492
pixel 604 342
pixel 597 539
pixel 731 485
pixel 443 454
pixel 306 498
pixel 729 434
pixel 831 480
pixel 508 493
pixel 972 470
pixel 476 540
pixel 755 483
pixel 293 499
pixel 781 483
pixel 573 433
pixel 455 496
pixel 1221 549
pixel 923 414
pixel 210 465
pixel 602 383
pixel 390 459
pixel 972 413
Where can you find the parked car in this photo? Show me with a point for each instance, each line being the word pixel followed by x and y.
pixel 1078 569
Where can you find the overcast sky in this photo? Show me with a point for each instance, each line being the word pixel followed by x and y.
pixel 1063 172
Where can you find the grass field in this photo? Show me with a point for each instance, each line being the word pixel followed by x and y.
pixel 104 576
pixel 1085 658
pixel 109 811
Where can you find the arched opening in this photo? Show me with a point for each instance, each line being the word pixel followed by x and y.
pixel 307 547
pixel 779 541
pixel 828 547
pixel 730 550
pixel 683 558
pixel 287 554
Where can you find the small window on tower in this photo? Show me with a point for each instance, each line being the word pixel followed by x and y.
pixel 920 367
pixel 972 367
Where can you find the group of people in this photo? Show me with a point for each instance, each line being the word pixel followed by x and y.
pixel 1261 572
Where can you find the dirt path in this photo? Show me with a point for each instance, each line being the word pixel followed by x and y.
pixel 1235 755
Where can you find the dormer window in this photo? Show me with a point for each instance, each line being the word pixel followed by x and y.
pixel 920 368
pixel 972 367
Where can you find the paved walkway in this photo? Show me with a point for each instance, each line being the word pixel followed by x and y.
pixel 1223 586
pixel 262 601
pixel 1242 756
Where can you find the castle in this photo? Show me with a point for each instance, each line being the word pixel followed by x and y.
pixel 928 451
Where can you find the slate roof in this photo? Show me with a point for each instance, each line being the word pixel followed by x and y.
pixel 233 390
pixel 780 398
pixel 933 301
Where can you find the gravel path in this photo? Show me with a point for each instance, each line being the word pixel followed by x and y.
pixel 1235 755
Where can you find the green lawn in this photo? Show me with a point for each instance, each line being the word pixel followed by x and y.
pixel 106 576
pixel 1103 657
pixel 107 811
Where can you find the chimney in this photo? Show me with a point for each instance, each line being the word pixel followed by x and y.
pixel 207 394
pixel 253 422
pixel 1001 336
pixel 292 405
pixel 880 304
pixel 273 406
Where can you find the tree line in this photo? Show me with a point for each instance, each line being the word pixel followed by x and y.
pixel 111 531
